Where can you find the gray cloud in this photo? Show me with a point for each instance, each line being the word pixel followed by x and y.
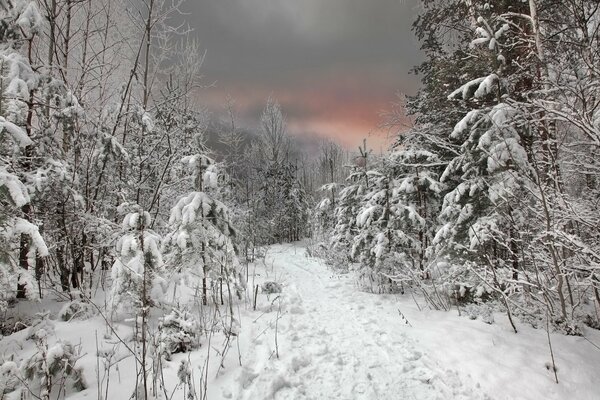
pixel 285 47
pixel 273 39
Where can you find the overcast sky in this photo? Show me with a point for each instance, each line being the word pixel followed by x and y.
pixel 334 65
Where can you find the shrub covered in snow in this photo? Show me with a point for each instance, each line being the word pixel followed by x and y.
pixel 9 378
pixel 51 367
pixel 77 310
pixel 337 259
pixel 179 332
pixel 483 312
pixel 137 271
pixel 271 287
pixel 41 326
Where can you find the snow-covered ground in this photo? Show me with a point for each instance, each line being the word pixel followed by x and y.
pixel 322 338
pixel 337 343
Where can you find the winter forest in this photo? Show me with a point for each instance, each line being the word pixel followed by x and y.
pixel 152 249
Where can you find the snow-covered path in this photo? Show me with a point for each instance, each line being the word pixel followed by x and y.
pixel 335 342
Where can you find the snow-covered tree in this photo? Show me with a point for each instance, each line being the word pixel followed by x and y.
pixel 20 241
pixel 138 271
pixel 416 199
pixel 199 243
pixel 478 212
pixel 348 205
pixel 331 180
pixel 280 204
pixel 500 114
pixel 373 244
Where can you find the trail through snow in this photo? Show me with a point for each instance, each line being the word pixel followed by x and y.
pixel 332 344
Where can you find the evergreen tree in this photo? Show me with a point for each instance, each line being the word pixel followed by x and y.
pixel 20 241
pixel 281 206
pixel 138 270
pixel 200 242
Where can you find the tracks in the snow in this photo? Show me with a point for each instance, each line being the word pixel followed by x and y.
pixel 337 343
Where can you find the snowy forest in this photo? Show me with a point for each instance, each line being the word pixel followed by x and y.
pixel 151 249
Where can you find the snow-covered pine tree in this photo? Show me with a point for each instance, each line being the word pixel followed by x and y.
pixel 376 237
pixel 292 224
pixel 480 220
pixel 416 198
pixel 325 208
pixel 20 241
pixel 329 168
pixel 280 205
pixel 138 282
pixel 138 270
pixel 521 159
pixel 199 243
pixel 348 205
pixel 393 228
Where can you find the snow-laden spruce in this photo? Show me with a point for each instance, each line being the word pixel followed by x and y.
pixel 20 241
pixel 200 244
pixel 138 271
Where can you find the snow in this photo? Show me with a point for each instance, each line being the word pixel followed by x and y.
pixel 324 204
pixel 366 216
pixel 30 20
pixel 17 88
pixel 486 86
pixel 20 77
pixel 211 177
pixel 37 245
pixel 321 338
pixel 503 29
pixel 407 186
pixel 463 124
pixel 18 134
pixel 466 91
pixel 354 345
pixel 188 208
pixel 16 189
pixel 482 33
pixel 71 106
pixel 147 122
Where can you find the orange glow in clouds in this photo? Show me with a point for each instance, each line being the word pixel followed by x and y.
pixel 340 108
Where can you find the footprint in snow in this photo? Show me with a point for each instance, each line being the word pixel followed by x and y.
pixel 360 387
pixel 247 378
pixel 278 384
pixel 299 362
pixel 297 310
pixel 322 350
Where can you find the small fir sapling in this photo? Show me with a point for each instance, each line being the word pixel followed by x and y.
pixel 40 323
pixel 137 280
pixel 10 379
pixel 77 310
pixel 184 373
pixel 51 363
pixel 200 241
pixel 179 332
pixel 271 287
